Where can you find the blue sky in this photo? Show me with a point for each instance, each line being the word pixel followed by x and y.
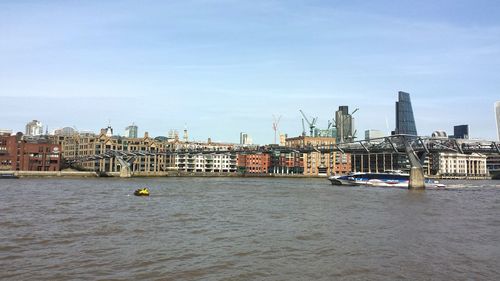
pixel 221 67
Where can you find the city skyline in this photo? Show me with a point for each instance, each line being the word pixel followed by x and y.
pixel 223 67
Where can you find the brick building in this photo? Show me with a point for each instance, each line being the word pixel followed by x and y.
pixel 317 163
pixel 28 154
pixel 254 163
pixel 287 163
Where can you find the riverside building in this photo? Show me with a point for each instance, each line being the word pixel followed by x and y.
pixel 254 163
pixel 147 156
pixel 287 163
pixel 456 165
pixel 28 154
pixel 87 150
pixel 192 162
pixel 317 163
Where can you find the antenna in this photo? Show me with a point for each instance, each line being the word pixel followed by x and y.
pixel 276 122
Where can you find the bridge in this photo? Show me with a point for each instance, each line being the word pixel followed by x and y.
pixel 414 147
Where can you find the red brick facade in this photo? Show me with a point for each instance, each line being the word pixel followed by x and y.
pixel 258 163
pixel 17 154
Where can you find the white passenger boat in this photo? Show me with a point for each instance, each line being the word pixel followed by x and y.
pixel 387 179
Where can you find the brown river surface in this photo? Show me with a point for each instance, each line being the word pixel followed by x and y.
pixel 246 229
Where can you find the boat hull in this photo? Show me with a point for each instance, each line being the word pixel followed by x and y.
pixel 380 180
pixel 8 176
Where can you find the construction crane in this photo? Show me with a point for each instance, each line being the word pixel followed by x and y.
pixel 276 122
pixel 330 123
pixel 312 124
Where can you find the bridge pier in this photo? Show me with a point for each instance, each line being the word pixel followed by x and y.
pixel 417 179
pixel 125 172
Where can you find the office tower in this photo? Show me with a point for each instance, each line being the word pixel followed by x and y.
pixel 461 132
pixel 497 111
pixel 344 124
pixel 405 122
pixel 131 131
pixel 245 138
pixel 34 128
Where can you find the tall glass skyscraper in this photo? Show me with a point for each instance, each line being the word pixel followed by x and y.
pixel 405 122
pixel 497 111
pixel 344 124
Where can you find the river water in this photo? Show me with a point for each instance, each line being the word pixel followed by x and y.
pixel 246 229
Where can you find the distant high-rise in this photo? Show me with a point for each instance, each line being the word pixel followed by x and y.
pixel 66 131
pixel 344 124
pixel 405 122
pixel 497 111
pixel 107 131
pixel 245 138
pixel 131 131
pixel 461 132
pixel 185 136
pixel 34 128
pixel 173 134
pixel 283 138
pixel 374 134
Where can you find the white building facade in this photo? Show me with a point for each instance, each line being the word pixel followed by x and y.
pixel 205 163
pixel 458 165
pixel 34 128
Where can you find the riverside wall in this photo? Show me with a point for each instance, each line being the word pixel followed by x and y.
pixel 28 174
pixel 90 174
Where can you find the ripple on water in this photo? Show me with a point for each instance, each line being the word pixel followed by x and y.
pixel 246 229
pixel 310 237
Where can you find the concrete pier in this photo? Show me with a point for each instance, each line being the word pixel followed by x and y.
pixel 125 172
pixel 417 179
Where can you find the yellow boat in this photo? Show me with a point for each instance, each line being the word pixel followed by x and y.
pixel 142 192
